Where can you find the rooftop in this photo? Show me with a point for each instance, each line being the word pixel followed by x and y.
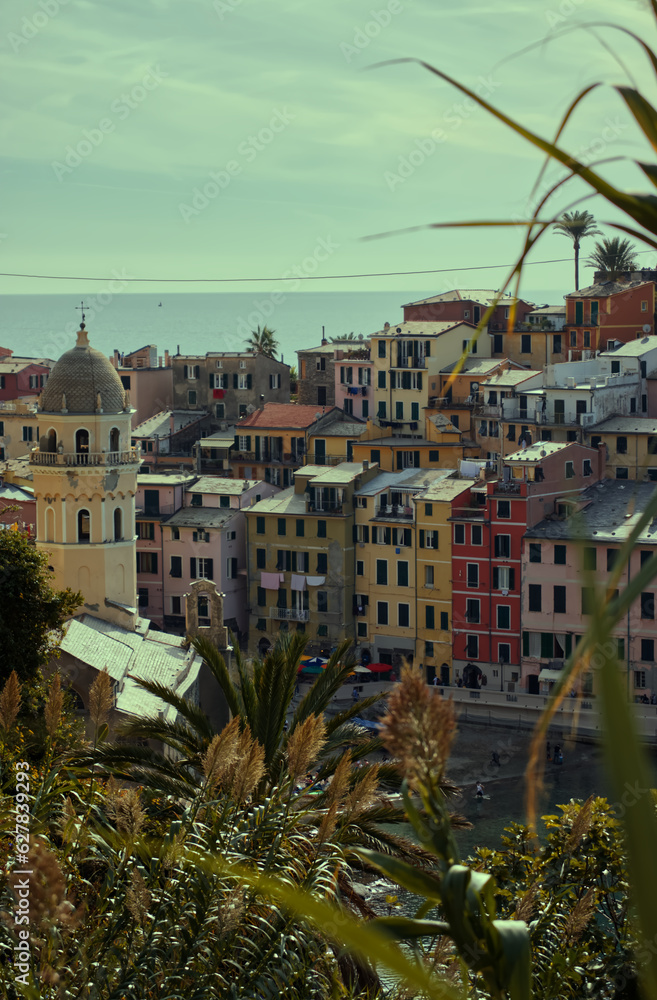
pixel 214 484
pixel 510 377
pixel 160 423
pixel 165 479
pixel 474 366
pixel 285 502
pixel 627 425
pixel 343 429
pixel 9 493
pixel 483 296
pixel 447 489
pixel 538 451
pixel 603 288
pixel 285 416
pixel 633 349
pixel 611 512
pixel 423 327
pixel 200 517
pixel 407 480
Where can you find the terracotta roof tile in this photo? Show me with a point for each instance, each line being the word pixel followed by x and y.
pixel 283 415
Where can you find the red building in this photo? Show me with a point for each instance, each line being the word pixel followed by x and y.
pixel 22 376
pixel 468 306
pixel 17 509
pixel 487 550
pixel 610 312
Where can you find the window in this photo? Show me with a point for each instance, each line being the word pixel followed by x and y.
pixel 588 600
pixel 444 621
pixel 147 562
pixel 282 526
pixel 525 344
pixel 145 529
pixel 322 600
pixel 589 557
pixel 403 615
pixel 504 509
pixel 382 612
pixel 503 616
pixel 586 467
pixel 559 600
pixel 570 470
pixel 560 555
pixel 622 472
pixel 360 567
pixel 262 597
pixel 647 605
pixel 260 525
pixel 535 552
pixel 648 650
pixel 321 529
pixel 503 546
pixel 201 569
pixel 402 574
pixel 587 338
pixel 231 568
pixel 428 510
pixel 191 397
pixel 472 611
pixel 382 572
pixel 175 567
pixel 503 578
pixel 428 576
pixel 639 678
pixel 556 343
pixel 459 534
pixel 428 649
pixel 382 348
pixel 621 445
pixel 430 616
pixel 428 539
pixel 27 433
pixel 274 381
pixel 535 602
pixel 176 608
pixel 612 555
pixel 472 646
pixel 473 574
pixel 192 372
pixel 476 534
pixel 143 597
pixel 220 411
pixel 261 558
pixel 399 410
pixel 196 500
pixel 322 563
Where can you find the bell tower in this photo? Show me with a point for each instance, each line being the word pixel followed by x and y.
pixel 85 480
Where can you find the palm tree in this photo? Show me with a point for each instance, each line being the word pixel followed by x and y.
pixel 613 256
pixel 576 225
pixel 343 336
pixel 262 341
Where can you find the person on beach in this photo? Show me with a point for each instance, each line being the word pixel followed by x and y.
pixel 480 790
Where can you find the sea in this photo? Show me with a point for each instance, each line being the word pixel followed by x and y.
pixel 196 322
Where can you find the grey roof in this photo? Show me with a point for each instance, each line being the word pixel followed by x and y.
pixel 406 479
pixel 627 425
pixel 475 366
pixel 160 423
pixel 603 288
pixel 633 349
pixel 484 296
pixel 152 655
pixel 165 478
pixel 328 348
pixel 612 510
pixel 11 493
pixel 343 429
pixel 538 451
pixel 510 377
pixel 285 502
pixel 422 327
pixel 200 517
pixel 339 475
pixel 410 443
pixel 548 311
pixel 447 489
pixel 226 487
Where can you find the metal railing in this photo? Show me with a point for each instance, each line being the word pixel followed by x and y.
pixel 394 510
pixel 289 614
pixel 412 362
pixel 75 458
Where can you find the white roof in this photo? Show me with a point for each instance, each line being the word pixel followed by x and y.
pixel 484 296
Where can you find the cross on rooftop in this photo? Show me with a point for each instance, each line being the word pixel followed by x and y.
pixel 82 307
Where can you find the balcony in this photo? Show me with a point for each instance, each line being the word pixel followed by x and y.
pixel 325 508
pixel 412 362
pixel 507 489
pixel 469 514
pixel 289 614
pixel 77 458
pixel 314 459
pixel 438 402
pixel 389 511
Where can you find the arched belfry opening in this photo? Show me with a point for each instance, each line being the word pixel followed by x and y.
pixel 82 443
pixel 51 444
pixel 114 439
pixel 84 526
pixel 118 524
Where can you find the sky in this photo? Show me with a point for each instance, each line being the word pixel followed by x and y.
pixel 259 139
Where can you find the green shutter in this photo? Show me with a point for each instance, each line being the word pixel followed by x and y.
pixel 421 538
pixel 248 442
pixel 525 643
pixel 547 645
pixel 235 381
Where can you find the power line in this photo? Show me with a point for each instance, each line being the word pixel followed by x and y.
pixel 314 277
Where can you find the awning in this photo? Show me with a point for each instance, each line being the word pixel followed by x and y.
pixel 361 670
pixel 379 668
pixel 549 675
pixel 217 442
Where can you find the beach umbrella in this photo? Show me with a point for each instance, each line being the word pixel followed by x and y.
pixel 379 668
pixel 314 661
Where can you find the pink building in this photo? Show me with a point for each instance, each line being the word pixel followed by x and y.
pixel 190 529
pixel 148 377
pixel 566 555
pixel 353 381
pixel 17 507
pixel 22 377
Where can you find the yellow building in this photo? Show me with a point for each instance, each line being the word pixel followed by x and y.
pixel 433 512
pixel 631 446
pixel 85 480
pixel 300 558
pixel 440 446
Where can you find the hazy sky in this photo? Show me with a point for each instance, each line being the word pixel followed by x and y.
pixel 247 138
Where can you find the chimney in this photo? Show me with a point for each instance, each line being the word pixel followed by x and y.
pixel 366 466
pixel 602 460
pixel 167 360
pixel 323 336
pixel 386 327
